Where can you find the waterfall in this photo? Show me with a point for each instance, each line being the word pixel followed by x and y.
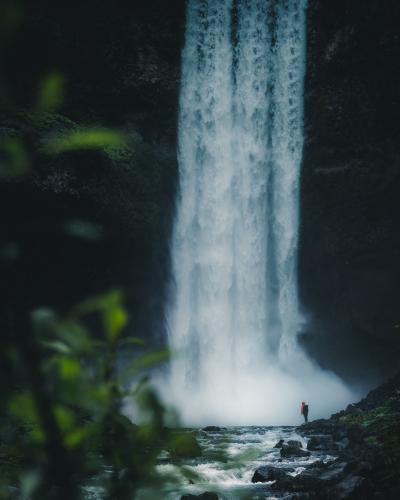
pixel 234 315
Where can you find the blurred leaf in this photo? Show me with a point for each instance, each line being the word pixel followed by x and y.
pixel 75 437
pixel 74 335
pixel 150 359
pixel 184 445
pixel 29 482
pixel 85 138
pixel 51 93
pixel 110 306
pixel 65 418
pixel 115 320
pixel 142 362
pixel 23 407
pixel 133 341
pixel 14 160
pixel 69 368
pixel 43 320
pixel 84 229
pixel 98 303
pixel 56 345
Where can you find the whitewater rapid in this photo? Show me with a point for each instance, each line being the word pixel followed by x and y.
pixel 234 316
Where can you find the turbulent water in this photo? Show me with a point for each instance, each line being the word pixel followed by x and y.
pixel 228 462
pixel 234 314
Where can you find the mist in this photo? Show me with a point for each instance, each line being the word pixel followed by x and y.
pixel 269 396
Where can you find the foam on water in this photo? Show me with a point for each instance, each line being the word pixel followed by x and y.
pixel 244 449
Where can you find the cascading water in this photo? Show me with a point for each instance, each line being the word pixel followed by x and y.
pixel 234 317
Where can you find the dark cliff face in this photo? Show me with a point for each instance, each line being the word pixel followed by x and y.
pixel 122 64
pixel 349 248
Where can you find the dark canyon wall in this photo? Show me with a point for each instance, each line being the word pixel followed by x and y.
pixel 349 254
pixel 121 61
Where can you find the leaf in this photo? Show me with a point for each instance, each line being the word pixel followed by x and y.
pixel 85 138
pixel 56 345
pixel 133 341
pixel 74 335
pixel 69 368
pixel 23 407
pixel 98 303
pixel 184 445
pixel 15 161
pixel 75 437
pixel 115 320
pixel 51 93
pixel 64 417
pixel 144 361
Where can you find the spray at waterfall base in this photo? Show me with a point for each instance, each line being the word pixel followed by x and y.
pixel 262 395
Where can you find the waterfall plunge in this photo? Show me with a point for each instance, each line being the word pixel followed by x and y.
pixel 234 316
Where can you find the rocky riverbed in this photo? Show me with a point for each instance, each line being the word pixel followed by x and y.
pixel 355 454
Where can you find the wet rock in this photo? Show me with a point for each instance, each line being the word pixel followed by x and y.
pixel 307 482
pixel 208 495
pixel 293 442
pixel 350 487
pixel 212 428
pixel 293 451
pixel 279 443
pixel 319 464
pixel 333 472
pixel 267 473
pixel 341 444
pixel 320 443
pixel 359 468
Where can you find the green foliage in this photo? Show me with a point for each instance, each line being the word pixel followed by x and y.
pixel 51 93
pixel 381 427
pixel 184 445
pixel 85 400
pixel 85 138
pixel 62 421
pixel 14 160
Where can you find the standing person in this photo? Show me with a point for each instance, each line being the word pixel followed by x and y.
pixel 304 411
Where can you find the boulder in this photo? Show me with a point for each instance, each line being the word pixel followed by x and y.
pixel 293 451
pixel 293 442
pixel 341 444
pixel 333 472
pixel 212 428
pixel 320 443
pixel 308 482
pixel 351 486
pixel 267 473
pixel 279 443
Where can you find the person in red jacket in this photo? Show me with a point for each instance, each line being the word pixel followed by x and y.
pixel 304 411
